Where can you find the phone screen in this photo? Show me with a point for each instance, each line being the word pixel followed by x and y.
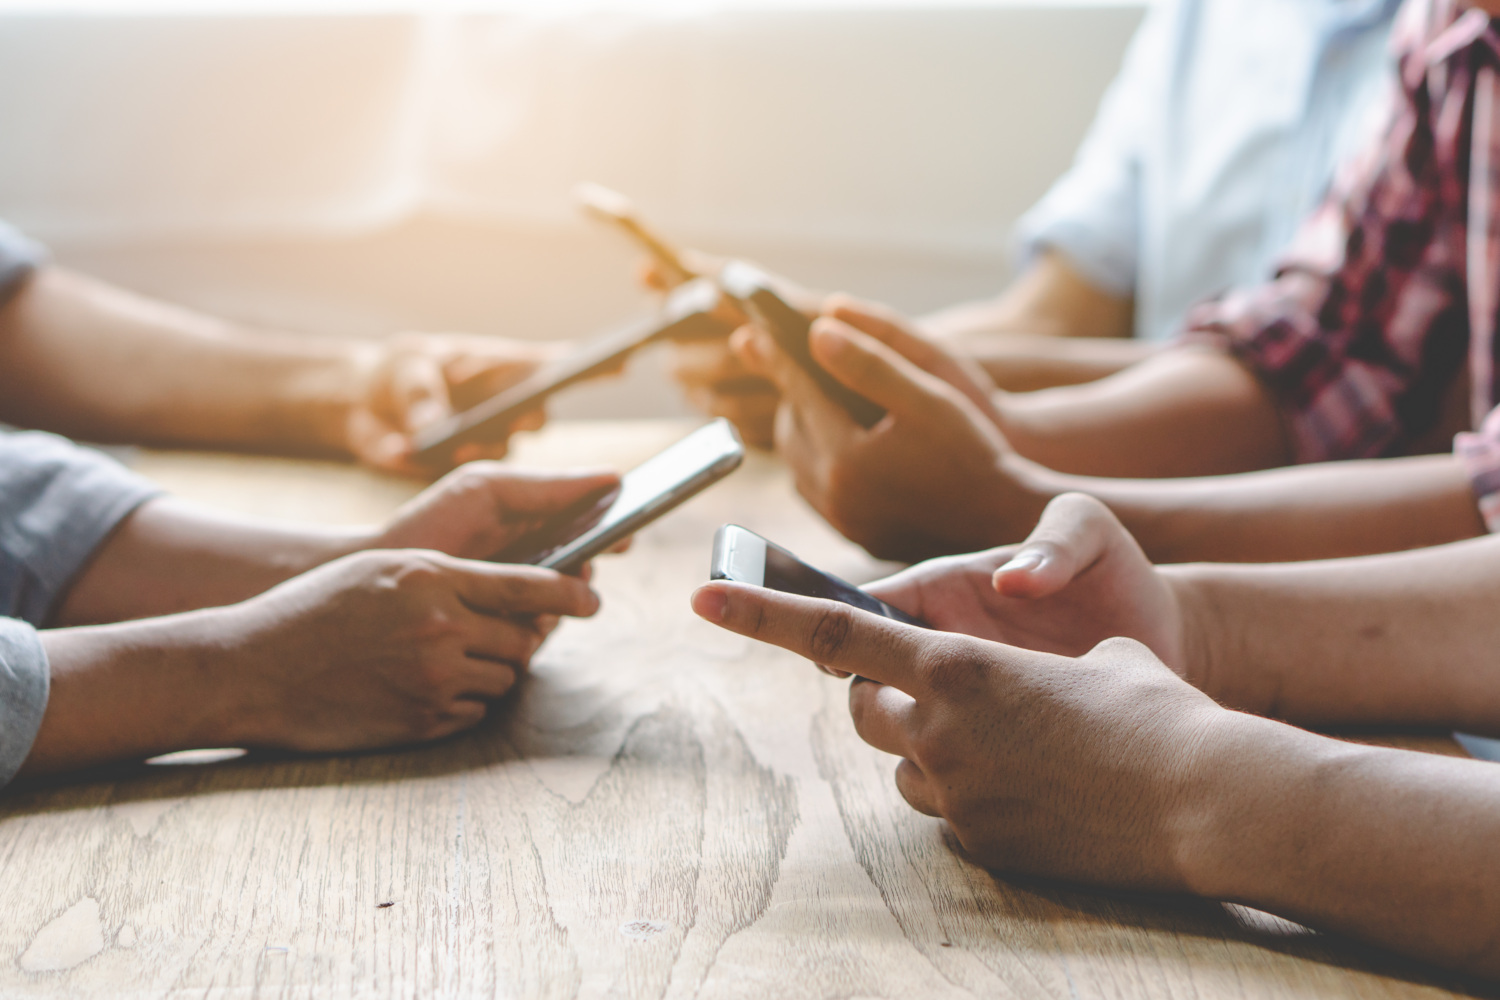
pixel 744 556
pixel 645 493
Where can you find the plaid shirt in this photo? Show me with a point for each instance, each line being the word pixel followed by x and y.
pixel 1391 287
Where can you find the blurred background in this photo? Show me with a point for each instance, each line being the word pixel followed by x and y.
pixel 366 166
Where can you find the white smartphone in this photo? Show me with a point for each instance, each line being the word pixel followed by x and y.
pixel 651 489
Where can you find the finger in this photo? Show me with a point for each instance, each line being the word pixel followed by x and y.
pixel 871 368
pixel 825 424
pixel 826 632
pixel 500 590
pixel 1073 533
pixel 882 716
pixel 500 640
pixel 475 451
pixel 705 362
pixel 464 713
pixel 916 788
pixel 490 680
pixel 527 491
pixel 419 392
pixel 885 325
pixel 655 277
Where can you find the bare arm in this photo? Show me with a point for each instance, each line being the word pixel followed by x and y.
pixel 170 556
pixel 1184 412
pixel 1048 299
pixel 1321 511
pixel 1022 362
pixel 1404 638
pixel 86 359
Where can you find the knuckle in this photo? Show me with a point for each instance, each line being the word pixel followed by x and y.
pixel 944 666
pixel 830 632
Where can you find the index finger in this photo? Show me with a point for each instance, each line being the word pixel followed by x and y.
pixel 825 422
pixel 503 589
pixel 826 632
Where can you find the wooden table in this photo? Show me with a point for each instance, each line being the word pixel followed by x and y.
pixel 665 810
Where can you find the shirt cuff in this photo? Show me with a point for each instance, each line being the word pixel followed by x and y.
pixel 1479 453
pixel 24 682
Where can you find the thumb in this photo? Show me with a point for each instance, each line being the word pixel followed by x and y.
pixel 521 493
pixel 871 368
pixel 884 325
pixel 1075 530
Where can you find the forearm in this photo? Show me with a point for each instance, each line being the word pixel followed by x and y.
pixel 1388 846
pixel 1405 639
pixel 88 360
pixel 1324 511
pixel 1029 362
pixel 1048 299
pixel 1185 412
pixel 169 556
pixel 134 690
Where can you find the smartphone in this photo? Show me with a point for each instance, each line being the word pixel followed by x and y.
pixel 745 557
pixel 790 327
pixel 615 209
pixel 689 311
pixel 645 493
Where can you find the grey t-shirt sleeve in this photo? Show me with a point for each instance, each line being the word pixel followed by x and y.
pixel 19 256
pixel 58 502
pixel 24 680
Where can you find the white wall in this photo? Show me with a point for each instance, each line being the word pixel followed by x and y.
pixel 362 172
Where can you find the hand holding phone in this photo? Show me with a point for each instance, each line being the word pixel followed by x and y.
pixel 596 523
pixel 742 556
pixel 790 328
pixel 689 311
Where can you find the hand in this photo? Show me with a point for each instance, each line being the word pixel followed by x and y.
pixel 479 509
pixel 413 380
pixel 890 328
pixel 934 476
pixel 1085 769
pixel 1080 578
pixel 717 382
pixel 386 647
pixel 712 376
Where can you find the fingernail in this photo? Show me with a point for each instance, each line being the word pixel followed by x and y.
pixel 709 604
pixel 1023 561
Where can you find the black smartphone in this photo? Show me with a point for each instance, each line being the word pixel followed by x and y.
pixel 657 485
pixel 790 328
pixel 689 311
pixel 745 557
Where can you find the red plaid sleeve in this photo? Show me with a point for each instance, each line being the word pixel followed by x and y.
pixel 1364 327
pixel 1479 453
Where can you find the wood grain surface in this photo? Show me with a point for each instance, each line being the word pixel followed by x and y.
pixel 663 810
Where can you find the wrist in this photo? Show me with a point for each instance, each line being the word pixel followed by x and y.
pixel 1197 639
pixel 320 393
pixel 1252 797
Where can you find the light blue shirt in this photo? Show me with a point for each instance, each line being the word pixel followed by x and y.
pixel 1221 132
